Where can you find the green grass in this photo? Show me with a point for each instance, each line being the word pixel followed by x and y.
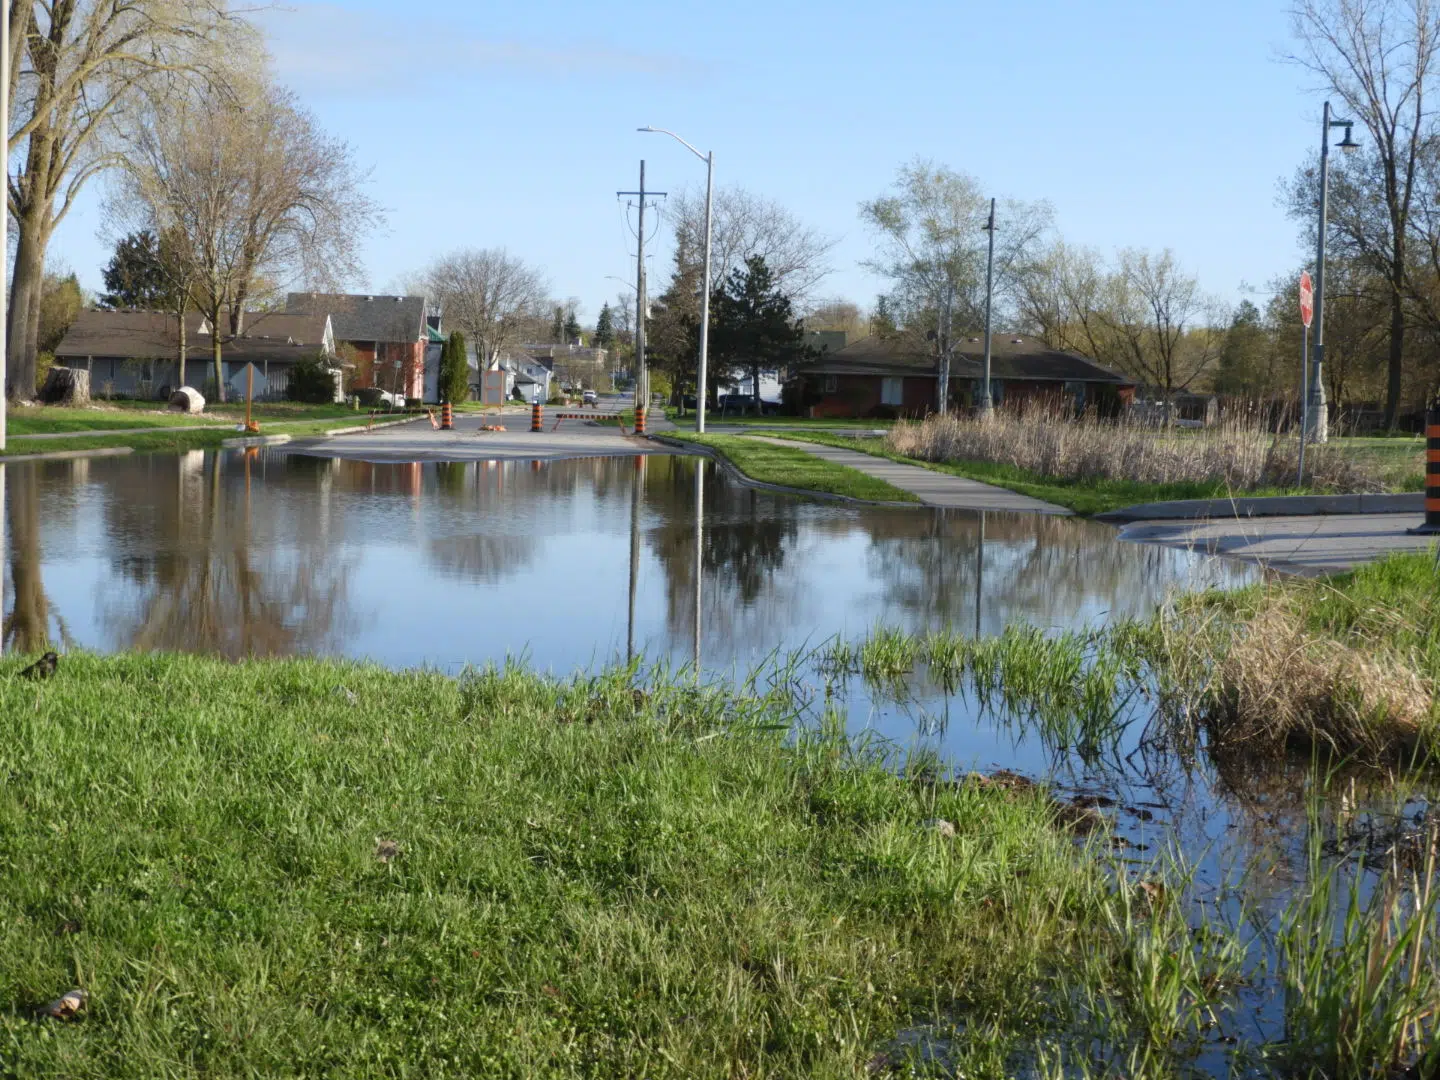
pixel 305 868
pixel 161 440
pixel 55 419
pixel 795 468
pixel 799 422
pixel 1083 497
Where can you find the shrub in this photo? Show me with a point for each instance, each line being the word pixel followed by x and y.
pixel 454 370
pixel 311 382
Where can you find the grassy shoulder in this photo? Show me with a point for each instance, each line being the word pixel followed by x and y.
pixel 795 468
pixel 1350 663
pixel 1086 497
pixel 311 868
pixel 161 440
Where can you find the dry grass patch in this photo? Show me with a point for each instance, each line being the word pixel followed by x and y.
pixel 1239 454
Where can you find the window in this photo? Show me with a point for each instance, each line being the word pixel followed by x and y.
pixel 892 391
pixel 832 384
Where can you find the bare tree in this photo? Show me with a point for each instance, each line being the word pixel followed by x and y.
pixel 1059 294
pixel 77 68
pixel 745 224
pixel 489 294
pixel 1376 56
pixel 1161 323
pixel 253 194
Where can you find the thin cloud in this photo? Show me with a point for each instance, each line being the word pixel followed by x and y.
pixel 330 47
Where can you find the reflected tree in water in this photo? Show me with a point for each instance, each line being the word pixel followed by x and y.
pixel 27 624
pixel 199 584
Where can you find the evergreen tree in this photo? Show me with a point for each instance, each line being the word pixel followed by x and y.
pixel 557 325
pixel 454 370
pixel 882 323
pixel 605 328
pixel 136 277
pixel 572 327
pixel 753 325
pixel 673 331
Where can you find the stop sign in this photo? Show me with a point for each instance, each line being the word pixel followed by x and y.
pixel 1307 298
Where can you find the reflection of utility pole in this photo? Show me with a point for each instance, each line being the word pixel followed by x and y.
pixel 944 343
pixel 699 545
pixel 979 572
pixel 634 553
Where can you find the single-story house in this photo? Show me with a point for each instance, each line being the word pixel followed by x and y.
pixel 385 337
pixel 898 376
pixel 135 353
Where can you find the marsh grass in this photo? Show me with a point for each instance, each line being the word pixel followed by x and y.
pixel 1359 963
pixel 1238 455
pixel 1348 663
pixel 310 868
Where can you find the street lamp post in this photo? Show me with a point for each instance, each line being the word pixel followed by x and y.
pixel 1317 420
pixel 986 406
pixel 709 159
pixel 4 207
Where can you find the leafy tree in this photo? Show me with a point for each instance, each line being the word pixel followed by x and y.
pixel 1244 364
pixel 753 324
pixel 60 302
pixel 454 370
pixel 311 381
pixel 135 277
pixel 604 328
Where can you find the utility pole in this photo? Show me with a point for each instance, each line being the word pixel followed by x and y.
pixel 642 380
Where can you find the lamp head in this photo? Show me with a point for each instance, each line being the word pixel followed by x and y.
pixel 648 128
pixel 1348 144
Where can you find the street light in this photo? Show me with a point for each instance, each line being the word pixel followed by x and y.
pixel 709 159
pixel 1316 421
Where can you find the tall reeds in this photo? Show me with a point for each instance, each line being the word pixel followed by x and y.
pixel 1239 453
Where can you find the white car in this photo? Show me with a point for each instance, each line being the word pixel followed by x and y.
pixel 589 397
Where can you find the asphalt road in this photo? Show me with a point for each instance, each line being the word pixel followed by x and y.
pixel 1313 545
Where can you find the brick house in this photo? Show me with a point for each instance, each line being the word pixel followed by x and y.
pixel 383 337
pixel 897 376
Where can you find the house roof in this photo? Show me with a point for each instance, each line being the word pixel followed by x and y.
pixel 1011 357
pixel 357 317
pixel 282 325
pixel 130 335
pixel 152 335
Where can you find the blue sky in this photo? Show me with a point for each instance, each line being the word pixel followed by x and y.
pixel 1148 123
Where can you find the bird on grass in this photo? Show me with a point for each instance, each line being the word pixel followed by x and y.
pixel 42 668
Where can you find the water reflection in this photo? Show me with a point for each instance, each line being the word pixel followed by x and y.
pixel 571 563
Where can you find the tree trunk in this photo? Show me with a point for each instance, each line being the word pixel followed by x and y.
pixel 184 345
pixel 219 364
pixel 28 628
pixel 25 303
pixel 1397 358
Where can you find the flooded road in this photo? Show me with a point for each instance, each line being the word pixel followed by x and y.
pixel 568 563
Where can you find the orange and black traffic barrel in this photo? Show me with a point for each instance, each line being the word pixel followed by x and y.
pixel 447 417
pixel 537 415
pixel 640 412
pixel 1432 471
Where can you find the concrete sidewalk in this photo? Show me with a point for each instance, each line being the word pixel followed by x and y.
pixel 1315 545
pixel 420 442
pixel 933 488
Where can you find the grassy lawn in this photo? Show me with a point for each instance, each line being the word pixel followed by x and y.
pixel 795 468
pixel 799 422
pixel 161 440
pixel 304 868
pixel 56 419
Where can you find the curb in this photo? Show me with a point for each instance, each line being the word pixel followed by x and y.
pixel 69 455
pixel 253 440
pixel 1268 506
pixel 361 428
pixel 700 450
